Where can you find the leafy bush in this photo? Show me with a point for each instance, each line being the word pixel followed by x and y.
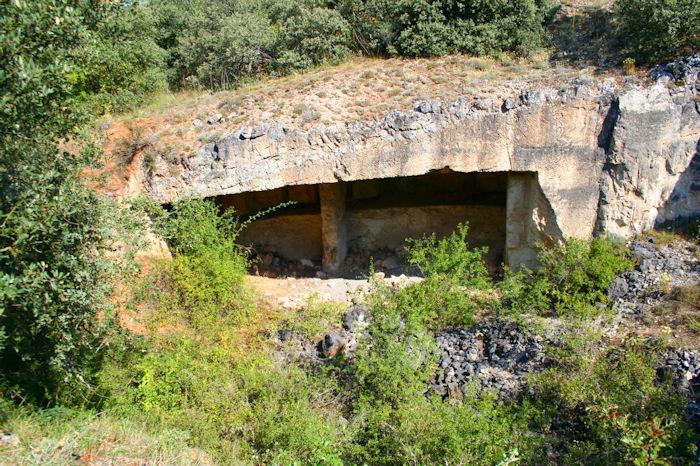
pixel 454 274
pixel 204 281
pixel 655 30
pixel 572 278
pixel 425 430
pixel 432 28
pixel 120 63
pixel 238 407
pixel 217 50
pixel 309 36
pixel 396 419
pixel 56 235
pixel 220 43
pixel 626 414
pixel 451 259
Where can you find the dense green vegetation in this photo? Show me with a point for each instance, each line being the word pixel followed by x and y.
pixel 572 279
pixel 207 376
pixel 229 393
pixel 129 50
pixel 55 232
pixel 655 30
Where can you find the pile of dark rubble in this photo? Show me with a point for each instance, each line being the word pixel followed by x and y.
pixel 488 357
pixel 682 70
pixel 657 268
pixel 683 367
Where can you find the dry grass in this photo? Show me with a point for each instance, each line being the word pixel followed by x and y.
pixel 678 317
pixel 61 436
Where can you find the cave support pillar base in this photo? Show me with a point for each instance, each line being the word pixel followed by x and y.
pixel 333 225
pixel 520 204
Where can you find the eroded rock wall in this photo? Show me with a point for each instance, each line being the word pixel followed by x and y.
pixel 604 158
pixel 649 178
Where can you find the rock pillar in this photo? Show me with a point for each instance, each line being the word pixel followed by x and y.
pixel 520 205
pixel 333 225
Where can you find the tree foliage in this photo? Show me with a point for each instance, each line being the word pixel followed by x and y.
pixel 654 30
pixel 431 28
pixel 54 231
pixel 120 62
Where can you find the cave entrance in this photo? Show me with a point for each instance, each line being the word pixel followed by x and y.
pixel 382 213
pixel 337 227
pixel 291 233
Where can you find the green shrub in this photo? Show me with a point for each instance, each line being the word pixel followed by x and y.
pixel 395 418
pixel 424 430
pixel 238 407
pixel 572 279
pixel 655 30
pixel 120 62
pixel 396 357
pixel 451 259
pixel 454 276
pixel 627 415
pixel 204 282
pixel 309 36
pixel 431 28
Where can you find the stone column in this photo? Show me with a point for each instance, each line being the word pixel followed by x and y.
pixel 333 225
pixel 520 205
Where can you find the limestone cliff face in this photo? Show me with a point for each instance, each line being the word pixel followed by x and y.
pixel 607 160
pixel 652 171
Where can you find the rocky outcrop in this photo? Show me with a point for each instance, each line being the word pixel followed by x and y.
pixel 652 169
pixel 551 132
pixel 606 157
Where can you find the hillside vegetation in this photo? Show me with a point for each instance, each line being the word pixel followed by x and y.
pixel 206 380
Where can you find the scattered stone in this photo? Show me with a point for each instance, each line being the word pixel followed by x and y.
pixel 8 439
pixel 332 344
pixel 356 318
pixel 427 106
pixel 284 335
pixel 306 262
pixel 508 104
pixel 684 69
pixel 214 119
pixel 617 289
pixel 637 289
pixel 390 263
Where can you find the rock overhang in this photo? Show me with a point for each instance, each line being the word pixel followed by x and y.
pixel 602 158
